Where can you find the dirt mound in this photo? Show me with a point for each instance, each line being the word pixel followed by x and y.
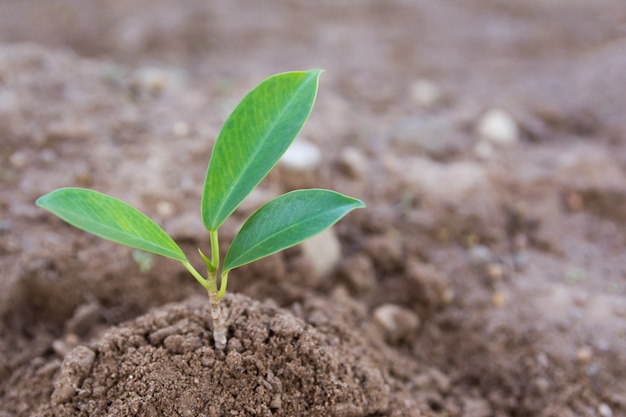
pixel 275 365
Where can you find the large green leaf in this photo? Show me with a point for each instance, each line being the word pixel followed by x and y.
pixel 286 221
pixel 110 218
pixel 252 140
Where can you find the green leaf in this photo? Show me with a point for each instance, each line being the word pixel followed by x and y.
pixel 286 221
pixel 110 218
pixel 252 140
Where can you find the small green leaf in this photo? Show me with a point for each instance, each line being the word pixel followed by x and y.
pixel 286 221
pixel 110 218
pixel 252 140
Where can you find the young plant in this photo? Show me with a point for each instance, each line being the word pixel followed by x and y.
pixel 252 140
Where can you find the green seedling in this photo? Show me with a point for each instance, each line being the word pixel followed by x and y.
pixel 252 140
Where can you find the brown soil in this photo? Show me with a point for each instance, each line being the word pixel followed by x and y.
pixel 484 278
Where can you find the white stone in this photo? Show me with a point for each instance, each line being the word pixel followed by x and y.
pixel 165 208
pixel 181 129
pixel 354 162
pixel 425 93
pixel 18 159
pixel 399 322
pixel 302 156
pixel 255 199
pixel 605 410
pixel 323 251
pixel 499 127
pixel 452 182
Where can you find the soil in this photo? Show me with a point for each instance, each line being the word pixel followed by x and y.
pixel 486 277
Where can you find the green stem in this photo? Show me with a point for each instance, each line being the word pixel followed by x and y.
pixel 223 284
pixel 196 274
pixel 219 324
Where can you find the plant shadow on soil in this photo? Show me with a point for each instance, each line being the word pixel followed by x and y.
pixel 484 279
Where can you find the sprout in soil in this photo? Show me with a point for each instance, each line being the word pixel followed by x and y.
pixel 252 140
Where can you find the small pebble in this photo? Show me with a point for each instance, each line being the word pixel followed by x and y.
pixel 302 156
pixel 399 323
pixel 498 299
pixel 181 129
pixel 542 359
pixel 447 296
pixel 605 410
pixel 151 80
pixel 165 208
pixel 480 255
pixel 353 162
pixel 18 159
pixel 498 127
pixel 47 155
pixel 323 251
pixel 584 354
pixel 256 199
pixel 426 93
pixel 494 271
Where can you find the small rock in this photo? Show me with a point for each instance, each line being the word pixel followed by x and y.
pixel 323 252
pixel 47 155
pixel 181 129
pixel 302 156
pixel 186 224
pixel 165 208
pixel 256 199
pixel 498 299
pixel 353 162
pixel 426 93
pixel 495 272
pixel 605 410
pixel 150 80
pixel 18 159
pixel 498 127
pixel 400 323
pixel 584 354
pixel 480 255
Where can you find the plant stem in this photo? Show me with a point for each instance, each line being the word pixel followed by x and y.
pixel 219 324
pixel 223 284
pixel 195 274
pixel 210 283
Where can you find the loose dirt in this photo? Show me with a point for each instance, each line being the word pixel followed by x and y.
pixel 486 277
